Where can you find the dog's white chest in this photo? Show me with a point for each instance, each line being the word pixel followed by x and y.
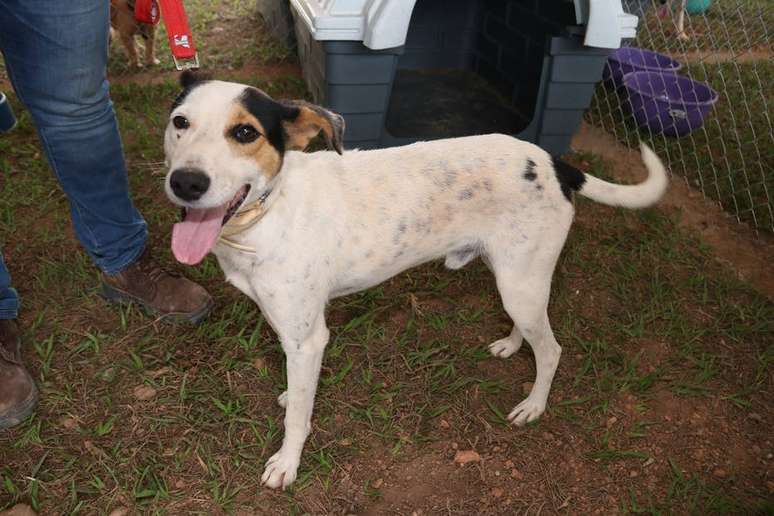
pixel 237 266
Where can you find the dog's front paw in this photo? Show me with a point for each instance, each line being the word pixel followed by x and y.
pixel 280 471
pixel 152 62
pixel 282 399
pixel 504 348
pixel 526 412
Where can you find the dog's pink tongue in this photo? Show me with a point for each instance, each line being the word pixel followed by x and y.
pixel 193 238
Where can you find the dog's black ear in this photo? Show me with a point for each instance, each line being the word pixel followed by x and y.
pixel 190 77
pixel 304 121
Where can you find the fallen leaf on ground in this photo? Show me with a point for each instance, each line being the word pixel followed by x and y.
pixel 20 509
pixel 465 456
pixel 68 422
pixel 144 392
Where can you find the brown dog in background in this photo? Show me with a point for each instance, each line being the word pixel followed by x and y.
pixel 122 21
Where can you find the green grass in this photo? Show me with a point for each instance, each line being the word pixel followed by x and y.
pixel 228 35
pixel 725 26
pixel 696 495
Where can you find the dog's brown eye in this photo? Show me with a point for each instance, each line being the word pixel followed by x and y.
pixel 180 122
pixel 244 133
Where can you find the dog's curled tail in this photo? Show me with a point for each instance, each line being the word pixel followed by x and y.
pixel 630 196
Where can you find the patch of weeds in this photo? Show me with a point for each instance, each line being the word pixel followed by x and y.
pixel 695 495
pixel 634 506
pixel 149 486
pixel 372 492
pixel 696 385
pixel 606 453
pixel 497 416
pixel 639 429
pixel 224 494
pixel 612 455
pixel 103 428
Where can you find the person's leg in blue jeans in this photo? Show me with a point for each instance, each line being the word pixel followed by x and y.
pixel 18 394
pixel 9 299
pixel 56 55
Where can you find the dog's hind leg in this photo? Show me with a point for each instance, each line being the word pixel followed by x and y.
pixel 524 282
pixel 538 333
pixel 131 49
pixel 304 360
pixel 148 33
pixel 509 345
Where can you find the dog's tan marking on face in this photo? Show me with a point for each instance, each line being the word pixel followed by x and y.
pixel 264 154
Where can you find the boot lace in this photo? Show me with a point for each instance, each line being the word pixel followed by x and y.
pixel 153 270
pixel 8 347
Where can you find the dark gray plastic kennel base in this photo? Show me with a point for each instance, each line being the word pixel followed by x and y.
pixel 467 68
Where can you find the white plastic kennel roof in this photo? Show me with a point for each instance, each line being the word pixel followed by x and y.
pixel 383 24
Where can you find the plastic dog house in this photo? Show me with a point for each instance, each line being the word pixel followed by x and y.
pixel 406 70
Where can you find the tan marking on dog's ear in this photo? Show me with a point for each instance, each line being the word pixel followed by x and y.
pixel 310 121
pixel 267 157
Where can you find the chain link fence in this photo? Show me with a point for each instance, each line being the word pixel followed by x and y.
pixel 723 51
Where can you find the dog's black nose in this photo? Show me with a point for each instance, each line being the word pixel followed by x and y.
pixel 189 183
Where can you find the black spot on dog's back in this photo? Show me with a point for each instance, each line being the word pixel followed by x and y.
pixel 449 177
pixel 400 231
pixel 466 194
pixel 570 178
pixel 529 171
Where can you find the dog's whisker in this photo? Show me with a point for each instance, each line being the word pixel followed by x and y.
pixel 156 168
pixel 149 164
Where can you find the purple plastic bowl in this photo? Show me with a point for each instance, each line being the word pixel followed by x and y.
pixel 667 103
pixel 630 59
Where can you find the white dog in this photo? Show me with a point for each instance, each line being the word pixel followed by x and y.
pixel 293 230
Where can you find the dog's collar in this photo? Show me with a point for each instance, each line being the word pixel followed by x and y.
pixel 243 220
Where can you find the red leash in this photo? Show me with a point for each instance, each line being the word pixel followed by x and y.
pixel 146 11
pixel 178 31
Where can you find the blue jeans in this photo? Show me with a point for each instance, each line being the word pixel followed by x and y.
pixel 56 56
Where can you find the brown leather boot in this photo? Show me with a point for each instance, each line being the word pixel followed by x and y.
pixel 18 393
pixel 163 294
